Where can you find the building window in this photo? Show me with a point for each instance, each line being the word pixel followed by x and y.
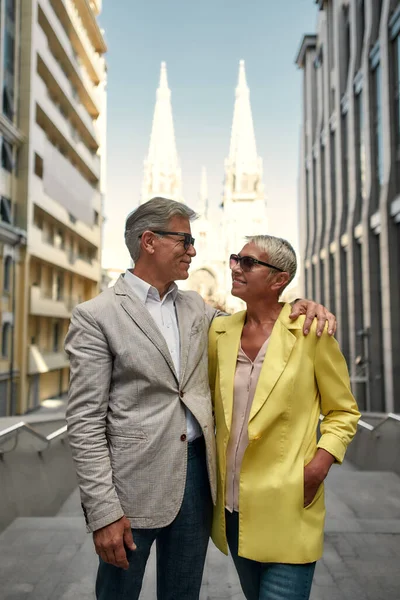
pixel 333 184
pixel 322 282
pixel 396 62
pixel 332 289
pixel 362 19
pixel 346 40
pixel 9 59
pixel 58 239
pixel 7 156
pixel 10 10
pixel 7 274
pixel 314 208
pixel 361 150
pixel 96 217
pixel 377 76
pixel 38 166
pixel 58 287
pixel 323 196
pixel 56 336
pixel 5 340
pixel 345 172
pixel 5 210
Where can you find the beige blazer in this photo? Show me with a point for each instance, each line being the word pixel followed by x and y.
pixel 126 415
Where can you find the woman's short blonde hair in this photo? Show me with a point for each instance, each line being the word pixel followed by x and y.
pixel 279 251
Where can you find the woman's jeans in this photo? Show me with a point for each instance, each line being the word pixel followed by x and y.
pixel 268 581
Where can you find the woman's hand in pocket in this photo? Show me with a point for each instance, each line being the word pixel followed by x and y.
pixel 314 474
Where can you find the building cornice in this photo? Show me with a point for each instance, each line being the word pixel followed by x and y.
pixel 309 42
pixel 10 132
pixel 12 235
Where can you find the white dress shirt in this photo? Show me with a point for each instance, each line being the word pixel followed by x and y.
pixel 164 315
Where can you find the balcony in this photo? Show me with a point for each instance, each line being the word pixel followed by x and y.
pixel 56 80
pixel 94 62
pixel 43 362
pixel 43 306
pixel 59 45
pixel 38 246
pixel 69 18
pixel 88 10
pixel 68 132
pixel 79 159
pixel 92 234
pixel 97 6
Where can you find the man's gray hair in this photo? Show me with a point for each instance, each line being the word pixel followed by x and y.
pixel 280 253
pixel 152 215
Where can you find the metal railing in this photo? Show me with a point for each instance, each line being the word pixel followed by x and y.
pixel 14 432
pixel 384 419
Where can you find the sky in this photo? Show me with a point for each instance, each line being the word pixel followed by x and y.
pixel 202 43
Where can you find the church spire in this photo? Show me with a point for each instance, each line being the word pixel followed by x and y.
pixel 204 194
pixel 162 173
pixel 243 158
pixel 243 197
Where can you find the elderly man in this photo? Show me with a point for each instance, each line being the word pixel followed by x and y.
pixel 139 415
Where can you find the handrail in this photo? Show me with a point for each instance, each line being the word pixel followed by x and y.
pixel 17 428
pixel 364 425
pixel 389 417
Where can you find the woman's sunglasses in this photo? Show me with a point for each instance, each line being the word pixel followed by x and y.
pixel 247 263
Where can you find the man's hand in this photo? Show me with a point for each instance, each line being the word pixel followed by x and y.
pixel 311 309
pixel 110 542
pixel 315 473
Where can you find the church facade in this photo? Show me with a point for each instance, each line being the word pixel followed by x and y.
pixel 243 210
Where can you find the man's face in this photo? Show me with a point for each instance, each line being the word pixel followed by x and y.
pixel 173 260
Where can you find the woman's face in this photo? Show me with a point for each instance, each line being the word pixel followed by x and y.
pixel 253 282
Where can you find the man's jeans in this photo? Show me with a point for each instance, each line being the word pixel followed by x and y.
pixel 181 546
pixel 268 581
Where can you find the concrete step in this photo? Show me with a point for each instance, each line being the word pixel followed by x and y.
pixel 52 558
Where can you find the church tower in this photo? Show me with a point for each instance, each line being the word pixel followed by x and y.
pixel 162 172
pixel 243 197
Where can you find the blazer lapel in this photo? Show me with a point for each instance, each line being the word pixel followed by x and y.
pixel 227 350
pixel 141 316
pixel 278 352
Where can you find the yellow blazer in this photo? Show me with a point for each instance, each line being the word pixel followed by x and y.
pixel 302 376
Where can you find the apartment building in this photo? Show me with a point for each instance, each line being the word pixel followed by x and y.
pixel 60 113
pixel 12 237
pixel 350 186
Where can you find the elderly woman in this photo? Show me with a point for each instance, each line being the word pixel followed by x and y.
pixel 270 384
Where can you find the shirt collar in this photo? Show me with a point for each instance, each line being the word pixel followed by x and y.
pixel 144 290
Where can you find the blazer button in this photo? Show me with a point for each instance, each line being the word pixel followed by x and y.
pixel 183 437
pixel 181 394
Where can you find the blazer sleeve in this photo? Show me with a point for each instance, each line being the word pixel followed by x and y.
pixel 338 404
pixel 211 313
pixel 90 377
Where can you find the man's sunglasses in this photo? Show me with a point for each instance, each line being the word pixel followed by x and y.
pixel 247 263
pixel 188 240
